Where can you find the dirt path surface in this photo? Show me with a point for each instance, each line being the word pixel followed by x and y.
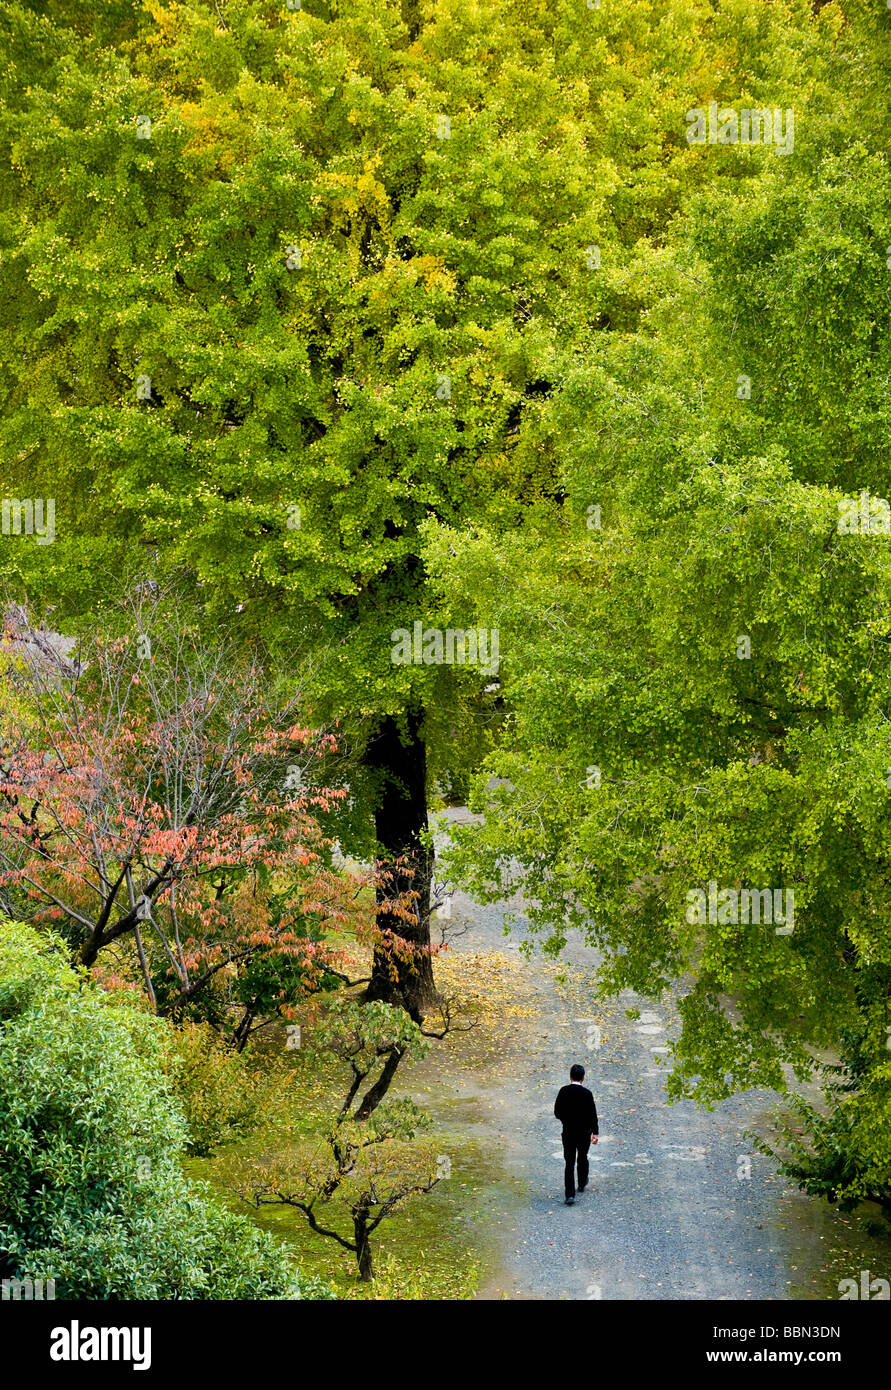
pixel 680 1206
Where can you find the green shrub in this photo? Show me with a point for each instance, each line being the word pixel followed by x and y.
pixel 92 1192
pixel 841 1151
pixel 224 1094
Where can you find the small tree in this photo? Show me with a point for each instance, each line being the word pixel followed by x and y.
pixel 369 1159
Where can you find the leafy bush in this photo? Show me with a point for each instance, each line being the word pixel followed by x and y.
pixel 842 1151
pixel 91 1141
pixel 224 1094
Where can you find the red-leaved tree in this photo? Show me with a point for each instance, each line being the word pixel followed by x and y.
pixel 161 805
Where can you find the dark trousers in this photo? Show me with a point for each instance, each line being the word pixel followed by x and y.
pixel 575 1151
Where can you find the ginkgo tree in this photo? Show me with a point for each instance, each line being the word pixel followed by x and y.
pixel 699 678
pixel 284 286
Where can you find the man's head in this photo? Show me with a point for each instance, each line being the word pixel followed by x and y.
pixel 577 1073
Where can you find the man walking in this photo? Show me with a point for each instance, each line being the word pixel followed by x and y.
pixel 576 1111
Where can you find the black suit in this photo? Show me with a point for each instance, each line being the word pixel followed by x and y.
pixel 576 1111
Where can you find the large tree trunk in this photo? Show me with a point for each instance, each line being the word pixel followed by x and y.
pixel 399 762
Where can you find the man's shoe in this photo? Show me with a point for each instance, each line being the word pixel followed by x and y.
pixel 570 1201
pixel 583 1186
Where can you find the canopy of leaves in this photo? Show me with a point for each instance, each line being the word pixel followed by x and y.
pixel 282 285
pixel 698 673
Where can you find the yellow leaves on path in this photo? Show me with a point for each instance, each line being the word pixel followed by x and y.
pixel 492 991
pixel 494 986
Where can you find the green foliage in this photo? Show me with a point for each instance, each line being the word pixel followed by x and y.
pixel 299 255
pixel 91 1139
pixel 363 1033
pixel 699 686
pixel 224 1094
pixel 842 1150
pixel 271 984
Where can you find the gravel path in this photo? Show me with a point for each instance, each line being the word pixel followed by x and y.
pixel 680 1206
